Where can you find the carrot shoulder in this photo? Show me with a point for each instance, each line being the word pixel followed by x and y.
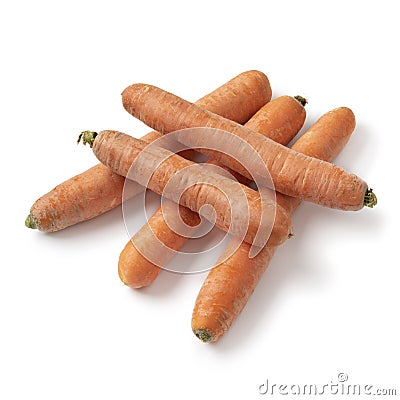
pixel 293 173
pixel 229 285
pixel 98 190
pixel 154 245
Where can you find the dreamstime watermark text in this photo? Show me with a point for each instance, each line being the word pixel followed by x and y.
pixel 341 386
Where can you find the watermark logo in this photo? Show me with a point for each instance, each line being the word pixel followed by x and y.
pixel 200 180
pixel 341 386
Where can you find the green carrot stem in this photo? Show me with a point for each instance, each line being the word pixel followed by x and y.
pixel 87 137
pixel 30 223
pixel 203 335
pixel 302 100
pixel 370 199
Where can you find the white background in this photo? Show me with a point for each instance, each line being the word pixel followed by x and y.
pixel 328 302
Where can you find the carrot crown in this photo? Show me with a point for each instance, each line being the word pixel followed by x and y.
pixel 302 100
pixel 30 222
pixel 87 137
pixel 203 335
pixel 370 199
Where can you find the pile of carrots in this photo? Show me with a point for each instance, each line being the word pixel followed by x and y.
pixel 239 116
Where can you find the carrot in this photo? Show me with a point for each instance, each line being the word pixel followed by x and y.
pixel 293 173
pixel 156 242
pixel 239 210
pixel 99 190
pixel 231 282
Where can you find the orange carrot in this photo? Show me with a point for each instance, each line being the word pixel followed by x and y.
pixel 99 190
pixel 231 282
pixel 293 173
pixel 156 242
pixel 239 210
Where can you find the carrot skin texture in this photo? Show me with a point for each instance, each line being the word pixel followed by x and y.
pixel 66 199
pixel 240 98
pixel 229 285
pixel 134 269
pixel 78 198
pixel 293 173
pixel 280 119
pixel 119 151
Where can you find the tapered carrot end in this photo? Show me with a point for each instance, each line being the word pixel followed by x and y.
pixel 30 223
pixel 87 137
pixel 131 93
pixel 203 335
pixel 370 199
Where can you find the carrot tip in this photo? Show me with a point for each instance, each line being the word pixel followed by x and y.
pixel 203 335
pixel 370 199
pixel 30 223
pixel 302 100
pixel 87 137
